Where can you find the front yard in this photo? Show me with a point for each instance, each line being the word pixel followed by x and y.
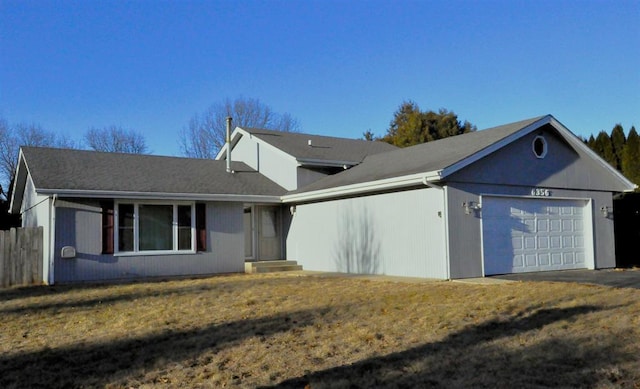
pixel 291 331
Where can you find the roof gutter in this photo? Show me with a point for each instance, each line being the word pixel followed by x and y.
pixel 160 196
pixel 326 163
pixel 365 187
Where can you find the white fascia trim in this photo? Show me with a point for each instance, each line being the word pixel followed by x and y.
pixel 364 187
pixel 160 196
pixel 564 131
pixel 579 144
pixel 263 143
pixel 237 133
pixel 326 163
pixel 16 180
pixel 496 146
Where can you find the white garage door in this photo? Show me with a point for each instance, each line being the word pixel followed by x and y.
pixel 526 235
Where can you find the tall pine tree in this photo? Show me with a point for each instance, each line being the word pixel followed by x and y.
pixel 631 157
pixel 604 148
pixel 617 141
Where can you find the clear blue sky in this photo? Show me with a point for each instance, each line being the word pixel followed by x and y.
pixel 339 67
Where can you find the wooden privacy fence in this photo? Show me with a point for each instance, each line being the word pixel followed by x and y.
pixel 21 256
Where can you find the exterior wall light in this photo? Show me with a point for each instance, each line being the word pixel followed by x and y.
pixel 292 210
pixel 605 211
pixel 469 206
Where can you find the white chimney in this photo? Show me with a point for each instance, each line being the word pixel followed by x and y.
pixel 309 143
pixel 228 144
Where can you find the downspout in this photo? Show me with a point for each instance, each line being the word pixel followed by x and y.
pixel 52 238
pixel 445 214
pixel 228 144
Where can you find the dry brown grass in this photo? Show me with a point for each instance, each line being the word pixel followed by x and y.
pixel 290 331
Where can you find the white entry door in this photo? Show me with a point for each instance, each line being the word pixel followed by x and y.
pixel 529 234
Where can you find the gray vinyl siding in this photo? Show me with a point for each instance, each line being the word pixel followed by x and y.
pixel 246 150
pixel 465 240
pixel 79 224
pixel 35 212
pixel 400 234
pixel 274 164
pixel 307 176
pixel 35 208
pixel 562 167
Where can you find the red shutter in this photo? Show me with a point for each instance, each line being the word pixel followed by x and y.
pixel 107 227
pixel 201 227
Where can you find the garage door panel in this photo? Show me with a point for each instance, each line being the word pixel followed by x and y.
pixel 543 242
pixel 567 242
pixel 541 234
pixel 529 242
pixel 543 225
pixel 530 260
pixel 517 243
pixel 544 259
pixel 569 258
pixel 556 259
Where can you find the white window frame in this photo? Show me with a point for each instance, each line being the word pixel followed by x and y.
pixel 136 228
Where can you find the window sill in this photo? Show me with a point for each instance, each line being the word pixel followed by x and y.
pixel 153 253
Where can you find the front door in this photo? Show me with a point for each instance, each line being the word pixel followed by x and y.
pixel 269 228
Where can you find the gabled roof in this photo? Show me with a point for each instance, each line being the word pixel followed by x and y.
pixel 324 150
pixel 432 161
pixel 98 174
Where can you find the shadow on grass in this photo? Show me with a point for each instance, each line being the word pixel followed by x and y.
pixel 111 294
pixel 98 364
pixel 20 292
pixel 474 357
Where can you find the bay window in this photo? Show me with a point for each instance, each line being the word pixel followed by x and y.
pixel 151 227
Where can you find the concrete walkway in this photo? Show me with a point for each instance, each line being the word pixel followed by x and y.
pixel 369 277
pixel 617 278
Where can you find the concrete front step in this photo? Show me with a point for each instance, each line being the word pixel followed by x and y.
pixel 271 266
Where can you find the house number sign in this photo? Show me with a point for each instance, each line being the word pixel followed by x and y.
pixel 540 192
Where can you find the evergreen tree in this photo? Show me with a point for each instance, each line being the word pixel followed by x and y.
pixel 411 126
pixel 617 142
pixel 631 157
pixel 604 148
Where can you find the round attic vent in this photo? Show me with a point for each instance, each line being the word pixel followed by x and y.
pixel 539 146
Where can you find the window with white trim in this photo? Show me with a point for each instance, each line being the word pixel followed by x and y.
pixel 155 227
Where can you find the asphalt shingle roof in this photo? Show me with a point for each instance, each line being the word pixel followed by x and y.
pixel 53 168
pixel 422 158
pixel 324 148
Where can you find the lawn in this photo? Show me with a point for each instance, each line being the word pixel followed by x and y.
pixel 297 331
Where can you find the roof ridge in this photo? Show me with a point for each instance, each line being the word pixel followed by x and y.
pixel 255 131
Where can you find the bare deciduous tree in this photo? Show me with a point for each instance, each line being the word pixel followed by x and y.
pixel 13 137
pixel 115 139
pixel 205 133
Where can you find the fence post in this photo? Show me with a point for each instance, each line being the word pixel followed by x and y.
pixel 3 260
pixel 21 258
pixel 13 254
pixel 37 256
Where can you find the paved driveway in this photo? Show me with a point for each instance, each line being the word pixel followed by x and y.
pixel 619 278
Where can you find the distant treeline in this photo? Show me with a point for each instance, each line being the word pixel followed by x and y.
pixel 622 152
